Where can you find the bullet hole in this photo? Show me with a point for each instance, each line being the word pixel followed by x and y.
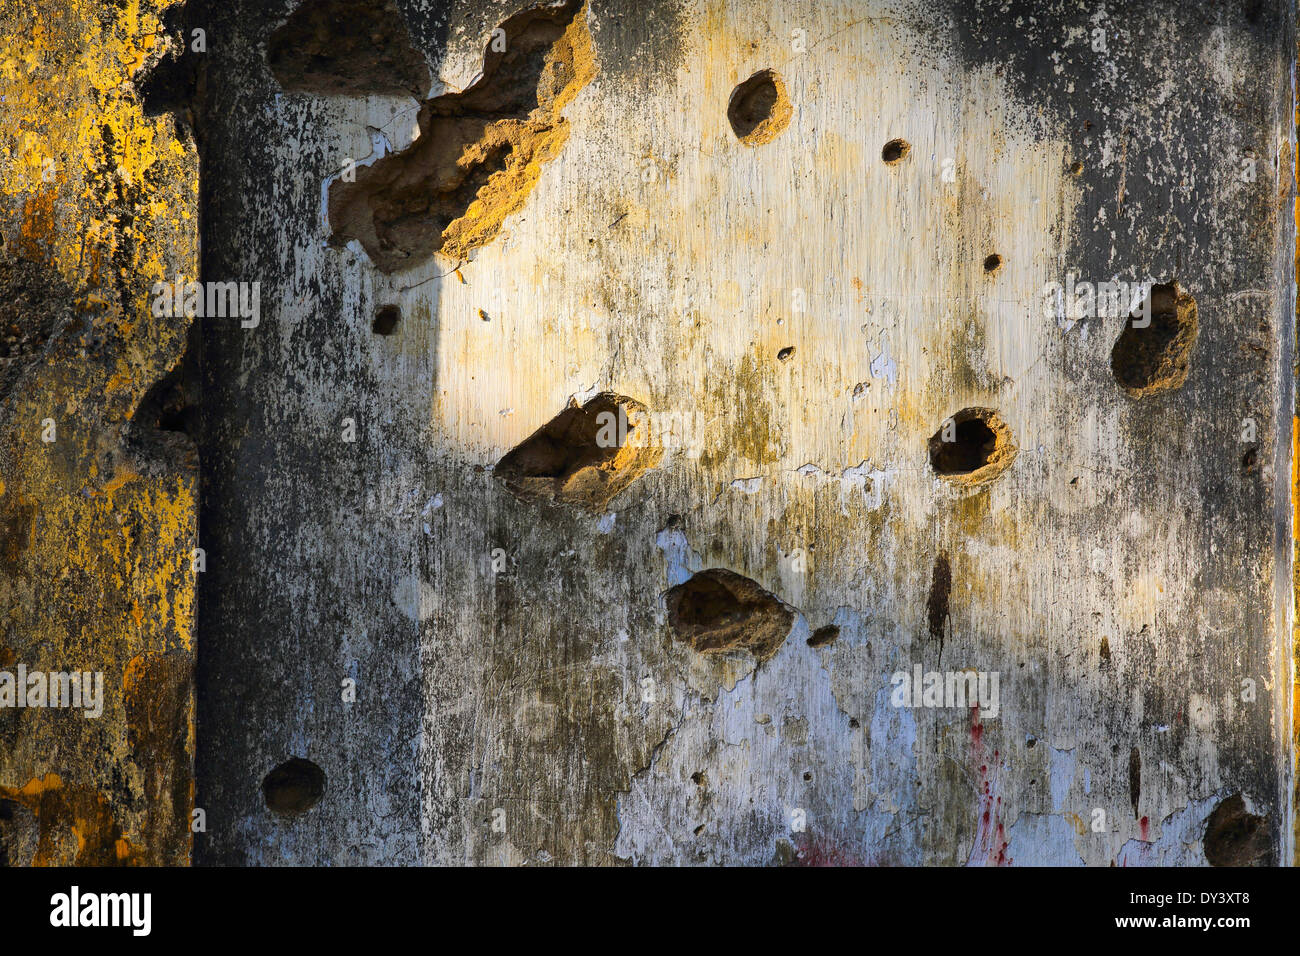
pixel 1030 742
pixel 972 447
pixel 936 606
pixel 718 610
pixel 759 109
pixel 1234 837
pixel 895 151
pixel 294 787
pixel 828 634
pixel 807 777
pixel 1157 358
pixel 481 148
pixel 853 723
pixel 169 404
pixel 484 316
pixel 699 829
pixel 386 319
pixel 992 263
pixel 1076 168
pixel 584 456
pixel 347 48
pixel 699 779
pixel 1105 651
pixel 1250 461
pixel 786 353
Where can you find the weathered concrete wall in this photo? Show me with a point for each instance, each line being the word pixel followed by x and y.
pixel 98 496
pixel 1124 576
pixel 435 628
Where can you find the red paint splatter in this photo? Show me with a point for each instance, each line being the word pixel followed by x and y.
pixel 1144 830
pixel 991 842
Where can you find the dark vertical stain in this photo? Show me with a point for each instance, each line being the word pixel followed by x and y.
pixel 937 605
pixel 1134 778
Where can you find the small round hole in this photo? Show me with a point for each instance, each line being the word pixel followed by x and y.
pixel 1076 168
pixel 294 787
pixel 992 263
pixel 895 151
pixel 386 319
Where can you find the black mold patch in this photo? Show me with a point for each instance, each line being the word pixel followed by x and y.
pixel 347 48
pixel 34 304
pixel 936 606
pixel 640 43
pixel 1134 779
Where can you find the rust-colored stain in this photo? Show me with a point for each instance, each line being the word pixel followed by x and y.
pixel 158 691
pixel 75 825
pixel 37 234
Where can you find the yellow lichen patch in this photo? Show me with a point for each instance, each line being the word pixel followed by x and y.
pixel 72 136
pixel 97 204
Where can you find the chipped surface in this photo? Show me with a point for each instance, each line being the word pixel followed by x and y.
pixel 521 698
